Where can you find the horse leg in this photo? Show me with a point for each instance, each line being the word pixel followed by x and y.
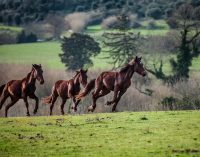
pixel 101 93
pixel 116 91
pixel 117 100
pixel 62 106
pixel 13 101
pixel 3 97
pixel 33 96
pixel 94 99
pixel 2 101
pixel 27 105
pixel 76 102
pixel 54 98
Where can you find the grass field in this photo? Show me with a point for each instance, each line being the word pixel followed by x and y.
pixel 96 29
pixel 11 28
pixel 46 53
pixel 140 134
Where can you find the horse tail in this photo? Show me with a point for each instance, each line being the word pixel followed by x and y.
pixel 86 90
pixel 1 89
pixel 47 100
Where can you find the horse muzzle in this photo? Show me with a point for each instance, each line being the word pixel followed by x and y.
pixel 42 82
pixel 144 74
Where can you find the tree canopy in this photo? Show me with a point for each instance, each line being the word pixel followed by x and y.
pixel 78 50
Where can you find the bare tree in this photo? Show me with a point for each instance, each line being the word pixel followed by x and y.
pixel 57 24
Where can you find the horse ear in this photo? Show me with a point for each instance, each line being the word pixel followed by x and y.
pixel 136 58
pixel 86 70
pixel 33 67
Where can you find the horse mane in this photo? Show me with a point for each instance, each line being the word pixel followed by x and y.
pixel 75 75
pixel 124 69
pixel 27 77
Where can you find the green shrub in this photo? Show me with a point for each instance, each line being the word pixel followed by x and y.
pixel 168 12
pixel 172 23
pixel 26 38
pixel 80 8
pixel 186 103
pixel 155 13
pixel 169 102
pixel 7 37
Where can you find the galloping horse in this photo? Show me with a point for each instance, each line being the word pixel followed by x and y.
pixel 21 89
pixel 67 89
pixel 109 81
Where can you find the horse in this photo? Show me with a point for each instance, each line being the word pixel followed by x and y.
pixel 67 89
pixel 109 81
pixel 21 89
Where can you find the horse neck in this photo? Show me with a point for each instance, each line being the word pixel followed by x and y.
pixel 76 80
pixel 129 73
pixel 30 79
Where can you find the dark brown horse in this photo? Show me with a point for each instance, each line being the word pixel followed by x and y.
pixel 109 81
pixel 21 89
pixel 67 89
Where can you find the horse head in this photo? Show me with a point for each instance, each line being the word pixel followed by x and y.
pixel 138 66
pixel 82 76
pixel 38 73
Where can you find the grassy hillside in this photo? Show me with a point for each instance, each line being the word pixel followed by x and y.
pixel 109 134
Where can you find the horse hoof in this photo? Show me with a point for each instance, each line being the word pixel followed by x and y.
pixel 108 103
pixel 114 110
pixel 28 115
pixel 90 109
pixel 34 112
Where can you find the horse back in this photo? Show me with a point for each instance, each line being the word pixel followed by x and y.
pixel 61 87
pixel 15 87
pixel 108 79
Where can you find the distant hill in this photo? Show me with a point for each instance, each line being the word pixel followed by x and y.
pixel 18 12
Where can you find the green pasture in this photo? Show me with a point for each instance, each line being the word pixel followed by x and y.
pixel 46 53
pixel 96 29
pixel 126 134
pixel 10 28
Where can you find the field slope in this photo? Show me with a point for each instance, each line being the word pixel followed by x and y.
pixel 108 134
